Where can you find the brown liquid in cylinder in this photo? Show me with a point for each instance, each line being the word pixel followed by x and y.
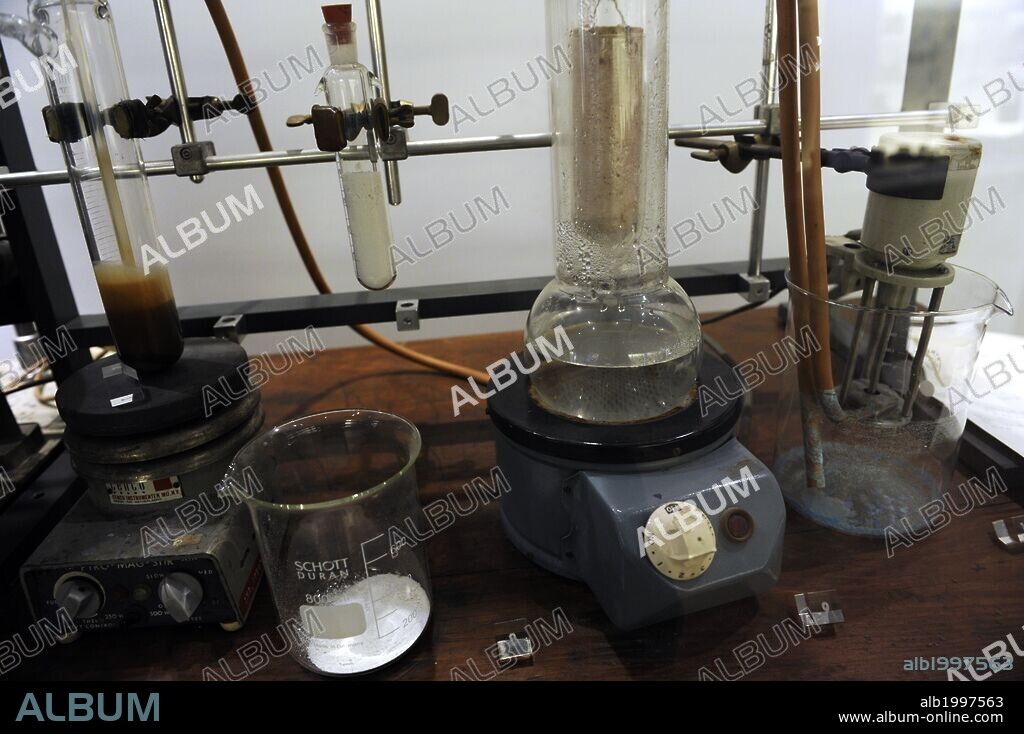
pixel 142 315
pixel 608 109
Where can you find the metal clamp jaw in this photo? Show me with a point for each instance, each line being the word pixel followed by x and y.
pixel 335 128
pixel 730 154
pixel 133 118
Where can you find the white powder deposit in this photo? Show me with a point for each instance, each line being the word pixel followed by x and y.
pixel 369 227
pixel 365 626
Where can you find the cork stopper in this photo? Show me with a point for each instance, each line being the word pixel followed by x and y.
pixel 339 33
pixel 337 14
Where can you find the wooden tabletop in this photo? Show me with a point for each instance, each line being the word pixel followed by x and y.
pixel 950 595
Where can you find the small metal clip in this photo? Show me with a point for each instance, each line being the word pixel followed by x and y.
pixel 1010 533
pixel 514 650
pixel 395 148
pixel 818 609
pixel 513 645
pixel 771 114
pixel 759 288
pixel 407 315
pixel 190 158
pixel 230 326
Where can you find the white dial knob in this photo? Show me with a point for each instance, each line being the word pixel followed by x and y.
pixel 680 540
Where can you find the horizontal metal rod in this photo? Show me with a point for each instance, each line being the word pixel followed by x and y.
pixel 742 127
pixel 886 119
pixel 479 145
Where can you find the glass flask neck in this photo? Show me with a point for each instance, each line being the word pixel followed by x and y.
pixel 36 37
pixel 609 114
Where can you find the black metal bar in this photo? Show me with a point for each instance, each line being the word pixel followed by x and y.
pixel 13 304
pixel 9 428
pixel 439 301
pixel 981 452
pixel 39 267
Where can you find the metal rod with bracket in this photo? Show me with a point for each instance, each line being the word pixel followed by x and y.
pixel 379 54
pixel 758 285
pixel 176 74
pixel 484 144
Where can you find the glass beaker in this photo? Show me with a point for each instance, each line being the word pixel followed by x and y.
pixel 634 336
pixel 332 497
pixel 889 457
pixel 87 89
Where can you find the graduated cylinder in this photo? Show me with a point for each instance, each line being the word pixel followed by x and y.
pixel 635 336
pixel 109 182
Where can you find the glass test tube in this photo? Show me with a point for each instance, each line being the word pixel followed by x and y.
pixel 350 86
pixel 110 185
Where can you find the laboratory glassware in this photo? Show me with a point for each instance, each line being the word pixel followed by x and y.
pixel 333 498
pixel 86 85
pixel 889 459
pixel 629 335
pixel 351 88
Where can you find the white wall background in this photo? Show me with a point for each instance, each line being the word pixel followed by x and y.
pixel 462 47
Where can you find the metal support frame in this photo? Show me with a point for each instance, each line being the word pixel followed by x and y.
pixel 750 278
pixel 487 144
pixel 189 151
pixel 38 265
pixel 757 290
pixel 933 35
pixel 379 54
pixel 434 302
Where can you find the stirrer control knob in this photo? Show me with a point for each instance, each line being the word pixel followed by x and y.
pixel 680 541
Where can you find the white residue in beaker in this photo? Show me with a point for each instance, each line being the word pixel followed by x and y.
pixel 395 610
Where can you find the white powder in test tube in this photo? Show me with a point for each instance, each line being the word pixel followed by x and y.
pixel 369 228
pixel 386 613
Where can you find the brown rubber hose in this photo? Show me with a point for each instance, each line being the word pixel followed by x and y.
pixel 814 208
pixel 793 196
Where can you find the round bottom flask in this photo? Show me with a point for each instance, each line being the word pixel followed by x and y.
pixel 618 339
pixel 614 357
